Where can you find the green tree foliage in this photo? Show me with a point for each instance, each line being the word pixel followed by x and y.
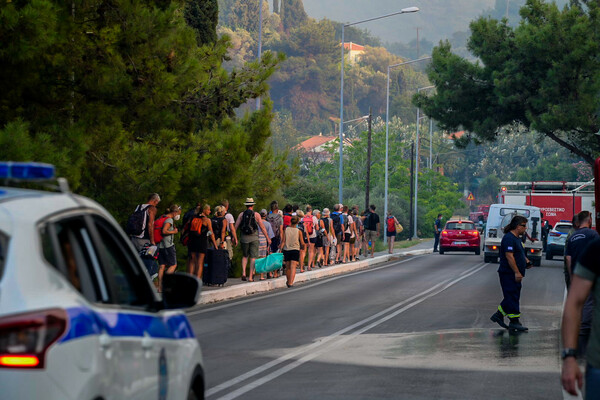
pixel 543 74
pixel 292 14
pixel 123 100
pixel 203 15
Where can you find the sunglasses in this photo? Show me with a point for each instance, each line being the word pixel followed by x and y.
pixel 523 225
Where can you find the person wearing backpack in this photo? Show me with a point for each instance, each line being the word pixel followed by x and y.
pixel 200 231
pixel 391 222
pixel 311 224
pixel 231 240
pixel 287 215
pixel 140 225
pixel 275 218
pixel 371 222
pixel 291 246
pixel 249 222
pixel 338 230
pixel 304 250
pixel 167 257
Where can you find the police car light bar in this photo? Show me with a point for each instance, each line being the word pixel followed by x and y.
pixel 26 171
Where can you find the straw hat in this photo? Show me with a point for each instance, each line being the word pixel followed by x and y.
pixel 249 201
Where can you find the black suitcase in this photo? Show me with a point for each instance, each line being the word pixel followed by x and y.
pixel 216 267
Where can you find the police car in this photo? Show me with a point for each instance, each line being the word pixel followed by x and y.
pixel 79 316
pixel 557 238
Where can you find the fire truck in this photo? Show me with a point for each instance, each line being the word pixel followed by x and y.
pixel 557 200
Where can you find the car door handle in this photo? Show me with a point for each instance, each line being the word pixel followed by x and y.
pixel 105 340
pixel 146 342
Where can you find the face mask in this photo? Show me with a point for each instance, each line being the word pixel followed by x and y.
pixel 177 217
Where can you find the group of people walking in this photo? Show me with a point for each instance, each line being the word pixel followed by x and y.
pixel 308 238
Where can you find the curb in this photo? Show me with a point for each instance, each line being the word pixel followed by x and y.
pixel 237 291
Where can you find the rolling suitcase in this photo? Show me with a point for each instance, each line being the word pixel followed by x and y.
pixel 216 267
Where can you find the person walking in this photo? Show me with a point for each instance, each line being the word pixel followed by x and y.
pixel 200 232
pixel 360 231
pixel 372 223
pixel 338 231
pixel 263 248
pixel 304 250
pixel 390 223
pixel 167 256
pixel 231 239
pixel 219 226
pixel 513 263
pixel 275 218
pixel 310 223
pixel 293 242
pixel 249 222
pixel 574 248
pixel 320 230
pixel 586 281
pixel 143 219
pixel 437 229
pixel 327 235
pixel 348 232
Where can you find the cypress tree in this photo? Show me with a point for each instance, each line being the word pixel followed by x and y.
pixel 203 16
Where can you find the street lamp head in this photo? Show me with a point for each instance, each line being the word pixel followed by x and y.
pixel 410 10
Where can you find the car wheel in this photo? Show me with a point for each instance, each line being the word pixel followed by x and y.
pixel 441 250
pixel 196 391
pixel 477 251
pixel 486 259
pixel 537 263
pixel 548 255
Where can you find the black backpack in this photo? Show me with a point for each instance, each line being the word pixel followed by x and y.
pixel 136 224
pixel 248 226
pixel 337 222
pixel 217 226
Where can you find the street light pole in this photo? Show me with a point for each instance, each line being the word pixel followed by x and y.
pixel 260 18
pixel 417 167
pixel 341 149
pixel 387 123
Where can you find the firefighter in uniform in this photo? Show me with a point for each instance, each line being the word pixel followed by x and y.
pixel 513 263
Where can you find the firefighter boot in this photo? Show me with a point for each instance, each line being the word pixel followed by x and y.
pixel 499 319
pixel 515 325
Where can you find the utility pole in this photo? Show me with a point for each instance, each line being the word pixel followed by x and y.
pixel 412 171
pixel 368 162
pixel 417 57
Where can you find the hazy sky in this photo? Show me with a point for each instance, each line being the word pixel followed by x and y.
pixel 437 19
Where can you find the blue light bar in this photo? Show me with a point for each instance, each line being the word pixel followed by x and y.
pixel 26 171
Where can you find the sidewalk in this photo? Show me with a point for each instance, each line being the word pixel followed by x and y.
pixel 235 287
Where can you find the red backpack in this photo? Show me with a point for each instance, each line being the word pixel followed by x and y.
pixel 158 229
pixel 308 225
pixel 391 224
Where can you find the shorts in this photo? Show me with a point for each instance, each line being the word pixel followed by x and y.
pixel 250 250
pixel 198 244
pixel 313 240
pixel 346 237
pixel 319 241
pixel 390 234
pixel 352 239
pixel 326 241
pixel 358 243
pixel 339 237
pixel 291 255
pixel 370 236
pixel 167 256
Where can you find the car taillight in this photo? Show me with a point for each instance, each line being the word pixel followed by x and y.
pixel 532 250
pixel 444 233
pixel 554 234
pixel 494 247
pixel 25 338
pixel 474 233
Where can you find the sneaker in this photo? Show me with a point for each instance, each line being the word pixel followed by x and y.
pixel 515 325
pixel 499 319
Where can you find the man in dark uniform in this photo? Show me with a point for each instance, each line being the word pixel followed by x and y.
pixel 437 229
pixel 513 263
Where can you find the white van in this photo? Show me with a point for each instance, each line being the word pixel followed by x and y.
pixel 500 216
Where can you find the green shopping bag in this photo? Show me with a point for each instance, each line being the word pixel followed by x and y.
pixel 269 263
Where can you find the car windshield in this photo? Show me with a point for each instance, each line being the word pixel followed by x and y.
pixel 460 226
pixel 563 228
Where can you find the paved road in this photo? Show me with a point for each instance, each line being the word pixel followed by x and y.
pixel 416 328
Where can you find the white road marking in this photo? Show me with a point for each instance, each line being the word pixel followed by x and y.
pixel 303 287
pixel 318 348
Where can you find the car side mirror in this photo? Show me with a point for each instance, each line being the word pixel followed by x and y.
pixel 180 290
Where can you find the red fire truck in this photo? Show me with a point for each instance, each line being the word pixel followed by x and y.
pixel 557 200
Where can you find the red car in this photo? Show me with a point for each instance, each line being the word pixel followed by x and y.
pixel 460 235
